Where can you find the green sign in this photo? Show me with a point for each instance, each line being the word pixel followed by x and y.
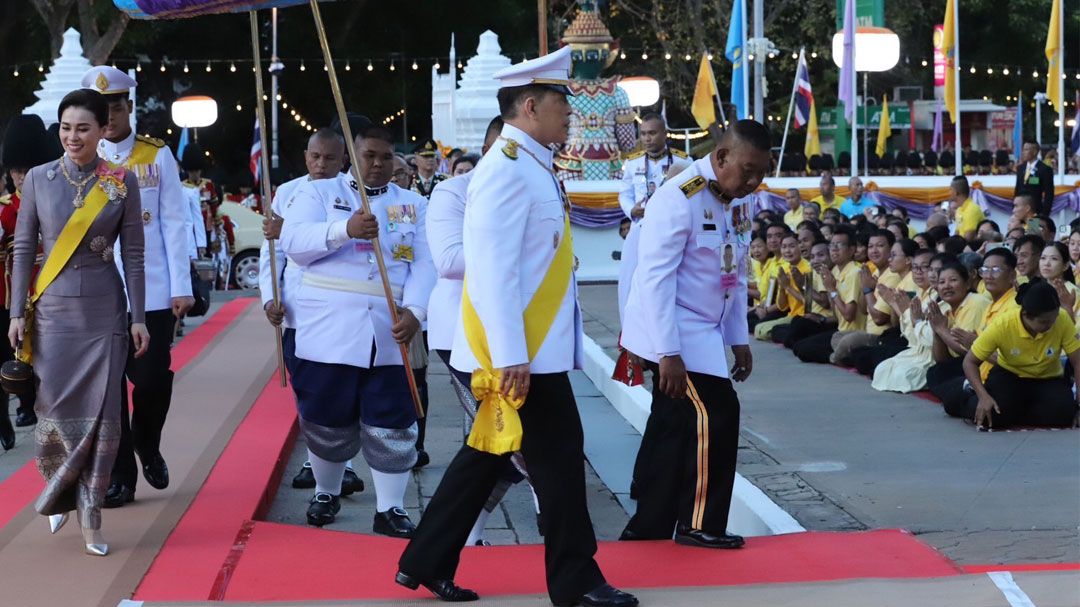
pixel 867 13
pixel 831 118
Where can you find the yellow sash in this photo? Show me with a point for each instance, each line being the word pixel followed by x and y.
pixel 69 239
pixel 141 153
pixel 497 428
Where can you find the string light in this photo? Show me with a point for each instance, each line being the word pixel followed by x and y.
pixel 644 56
pixel 622 54
pixel 208 67
pixel 16 72
pixel 437 65
pixel 284 105
pixel 392 68
pixel 1005 71
pixel 414 65
pixel 924 62
pixel 459 66
pixel 239 107
pixel 186 70
pixel 972 69
pixel 325 68
pixel 138 67
pixel 688 57
pixel 667 56
pixel 232 67
pixel 168 131
pixel 277 97
pixel 265 98
pixel 40 68
pixel 813 55
pixel 794 55
pixel 1035 73
pixel 750 56
pixel 348 66
pixel 710 56
pixel 989 71
pixel 303 68
pixel 162 69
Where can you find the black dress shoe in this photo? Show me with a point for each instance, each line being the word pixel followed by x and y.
pixel 696 537
pixel 422 459
pixel 7 432
pixel 155 471
pixel 445 590
pixel 629 535
pixel 305 479
pixel 604 595
pixel 323 509
pixel 394 523
pixel 118 494
pixel 350 483
pixel 24 418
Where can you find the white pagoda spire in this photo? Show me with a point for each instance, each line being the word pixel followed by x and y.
pixel 64 75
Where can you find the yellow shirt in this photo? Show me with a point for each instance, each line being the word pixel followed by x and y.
pixel 849 289
pixel 793 306
pixel 794 218
pixel 968 216
pixel 768 275
pixel 1005 303
pixel 818 286
pixel 892 280
pixel 1023 354
pixel 836 202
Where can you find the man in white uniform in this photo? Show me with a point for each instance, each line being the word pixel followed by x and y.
pixel 517 251
pixel 643 172
pixel 324 158
pixel 168 284
pixel 686 307
pixel 348 375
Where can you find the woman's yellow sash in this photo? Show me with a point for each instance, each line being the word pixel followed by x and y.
pixel 66 243
pixel 497 428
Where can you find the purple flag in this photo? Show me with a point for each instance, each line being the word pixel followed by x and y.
pixel 935 142
pixel 847 73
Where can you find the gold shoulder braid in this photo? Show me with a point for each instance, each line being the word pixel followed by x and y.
pixel 693 186
pixel 510 149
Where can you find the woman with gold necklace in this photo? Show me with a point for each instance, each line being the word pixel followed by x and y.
pixel 73 325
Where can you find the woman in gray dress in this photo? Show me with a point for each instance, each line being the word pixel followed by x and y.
pixel 79 329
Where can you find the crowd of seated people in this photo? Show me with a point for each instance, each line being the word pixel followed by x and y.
pixel 974 315
pixel 907 163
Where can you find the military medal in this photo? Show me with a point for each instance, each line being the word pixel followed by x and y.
pixel 146 217
pixel 403 252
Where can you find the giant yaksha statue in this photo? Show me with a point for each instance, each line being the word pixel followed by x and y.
pixel 602 124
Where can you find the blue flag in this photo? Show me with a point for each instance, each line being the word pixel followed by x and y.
pixel 1018 127
pixel 182 144
pixel 735 52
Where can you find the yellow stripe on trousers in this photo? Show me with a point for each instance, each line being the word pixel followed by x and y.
pixel 698 516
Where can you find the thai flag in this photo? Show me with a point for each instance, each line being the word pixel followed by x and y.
pixel 804 96
pixel 256 154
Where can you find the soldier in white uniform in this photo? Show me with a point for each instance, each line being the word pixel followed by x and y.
pixel 195 224
pixel 517 251
pixel 686 306
pixel 643 172
pixel 350 383
pixel 168 284
pixel 324 158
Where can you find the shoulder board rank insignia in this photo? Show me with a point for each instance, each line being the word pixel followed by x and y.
pixel 510 150
pixel 352 184
pixel 678 152
pixel 693 186
pixel 633 155
pixel 151 140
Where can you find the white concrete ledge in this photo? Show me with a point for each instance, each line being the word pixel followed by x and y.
pixel 752 512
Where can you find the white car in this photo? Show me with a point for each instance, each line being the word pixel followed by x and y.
pixel 247 241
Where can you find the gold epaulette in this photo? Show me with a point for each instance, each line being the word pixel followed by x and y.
pixel 510 149
pixel 678 152
pixel 633 155
pixel 693 186
pixel 151 140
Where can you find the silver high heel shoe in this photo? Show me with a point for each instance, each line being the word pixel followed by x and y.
pixel 97 549
pixel 56 521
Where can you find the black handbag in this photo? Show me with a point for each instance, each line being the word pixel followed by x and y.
pixel 200 287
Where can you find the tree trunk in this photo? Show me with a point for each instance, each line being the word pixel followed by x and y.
pixel 98 46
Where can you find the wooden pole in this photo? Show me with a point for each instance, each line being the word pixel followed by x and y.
pixel 264 165
pixel 350 145
pixel 541 26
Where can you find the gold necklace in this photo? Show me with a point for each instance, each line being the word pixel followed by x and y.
pixel 78 185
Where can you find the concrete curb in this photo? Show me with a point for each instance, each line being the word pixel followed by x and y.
pixel 752 512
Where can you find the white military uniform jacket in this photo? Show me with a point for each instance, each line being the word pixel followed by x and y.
pixel 340 309
pixel 642 175
pixel 514 220
pixel 288 273
pixel 165 221
pixel 688 295
pixel 445 223
pixel 196 226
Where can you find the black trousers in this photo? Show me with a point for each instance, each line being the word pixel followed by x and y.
pixel 420 375
pixel 945 380
pixel 26 403
pixel 800 328
pixel 553 449
pixel 865 360
pixel 752 319
pixel 1026 401
pixel 686 464
pixel 152 383
pixel 815 349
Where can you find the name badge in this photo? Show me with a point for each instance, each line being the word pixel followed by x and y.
pixel 708 241
pixel 1033 180
pixel 729 281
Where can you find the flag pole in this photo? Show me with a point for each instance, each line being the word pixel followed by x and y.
pixel 350 146
pixel 719 103
pixel 264 183
pixel 791 105
pixel 958 148
pixel 746 69
pixel 1061 91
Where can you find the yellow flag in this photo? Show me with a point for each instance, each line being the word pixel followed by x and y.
pixel 813 142
pixel 884 130
pixel 949 46
pixel 704 106
pixel 1053 57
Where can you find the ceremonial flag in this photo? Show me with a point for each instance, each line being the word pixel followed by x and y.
pixel 256 155
pixel 1018 127
pixel 1054 92
pixel 813 142
pixel 847 72
pixel 703 106
pixel 935 141
pixel 182 144
pixel 804 96
pixel 950 46
pixel 884 130
pixel 735 52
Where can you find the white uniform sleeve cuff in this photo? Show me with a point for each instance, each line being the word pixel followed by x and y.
pixel 337 235
pixel 418 312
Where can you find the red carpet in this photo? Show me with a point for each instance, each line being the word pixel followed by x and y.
pixel 23 486
pixel 196 560
pixel 286 562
